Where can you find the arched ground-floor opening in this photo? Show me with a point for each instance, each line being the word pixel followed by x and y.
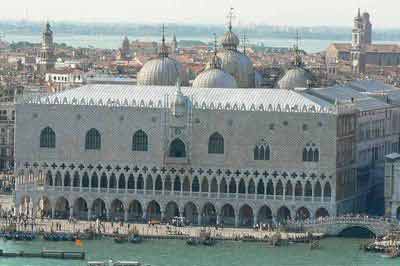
pixel 171 211
pixel 208 215
pixel 80 209
pixel 154 211
pixel 135 211
pixel 99 210
pixel 283 214
pixel 25 205
pixel 44 207
pixel 302 214
pixel 398 213
pixel 321 212
pixel 246 217
pixel 357 232
pixel 227 215
pixel 61 209
pixel 191 213
pixel 117 210
pixel 264 215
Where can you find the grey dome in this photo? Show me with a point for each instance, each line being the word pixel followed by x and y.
pixel 297 77
pixel 230 40
pixel 239 66
pixel 163 71
pixel 214 78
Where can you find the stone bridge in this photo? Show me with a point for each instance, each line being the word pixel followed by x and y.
pixel 335 226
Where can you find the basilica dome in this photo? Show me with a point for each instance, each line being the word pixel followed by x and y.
pixel 234 62
pixel 162 71
pixel 297 77
pixel 214 78
pixel 239 66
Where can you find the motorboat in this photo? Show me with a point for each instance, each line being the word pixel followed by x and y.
pixel 114 263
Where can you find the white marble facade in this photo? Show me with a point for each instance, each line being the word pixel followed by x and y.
pixel 293 174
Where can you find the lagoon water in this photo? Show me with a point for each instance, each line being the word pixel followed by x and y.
pixel 114 41
pixel 333 252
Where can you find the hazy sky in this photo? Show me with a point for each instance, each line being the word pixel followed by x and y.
pixel 385 13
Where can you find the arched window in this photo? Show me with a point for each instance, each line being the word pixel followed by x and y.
pixel 310 156
pixel 177 149
pixel 256 153
pixel 140 141
pixel 262 153
pixel 216 144
pixel 47 138
pixel 316 155
pixel 304 155
pixel 93 140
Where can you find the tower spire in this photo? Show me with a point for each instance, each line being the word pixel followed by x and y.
pixel 231 16
pixel 244 43
pixel 164 48
pixel 297 58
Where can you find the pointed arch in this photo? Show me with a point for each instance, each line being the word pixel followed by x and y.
pixel 93 140
pixel 310 155
pixel 177 183
pixel 204 184
pixel 251 187
pixel 316 155
pixel 49 178
pixel 279 188
pixel 177 149
pixel 195 184
pixel 95 180
pixel 131 182
pixel 317 189
pixel 186 184
pixel 327 190
pixel 216 144
pixel 305 155
pixel 103 181
pixel 242 186
pixel 58 182
pixel 77 180
pixel 67 179
pixel 168 183
pixel 113 181
pixel 47 138
pixel 159 183
pixel 121 181
pixel 298 190
pixel 149 183
pixel 140 182
pixel 223 186
pixel 270 188
pixel 260 187
pixel 140 141
pixel 256 152
pixel 232 186
pixel 228 215
pixel 267 153
pixel 308 189
pixel 214 185
pixel 135 211
pixel 85 180
pixel 288 189
pixel 262 153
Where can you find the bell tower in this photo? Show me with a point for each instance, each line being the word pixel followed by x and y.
pixel 358 46
pixel 46 57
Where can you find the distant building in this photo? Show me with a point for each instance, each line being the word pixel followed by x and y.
pixel 46 60
pixel 7 123
pixel 125 52
pixel 392 185
pixel 59 80
pixel 361 52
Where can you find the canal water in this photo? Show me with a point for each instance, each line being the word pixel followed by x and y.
pixel 333 252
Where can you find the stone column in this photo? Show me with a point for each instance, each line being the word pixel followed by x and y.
pixel 71 211
pixel 126 214
pixel 89 214
pixel 254 219
pixel 236 220
pixel 199 219
pixel 52 212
